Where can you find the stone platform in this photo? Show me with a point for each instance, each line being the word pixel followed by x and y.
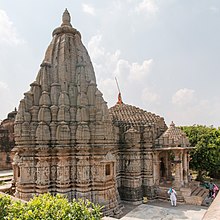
pixel 159 210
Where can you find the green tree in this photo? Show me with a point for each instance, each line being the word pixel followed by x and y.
pixel 48 207
pixel 205 157
pixel 5 202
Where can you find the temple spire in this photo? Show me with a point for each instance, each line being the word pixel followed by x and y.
pixel 119 94
pixel 66 18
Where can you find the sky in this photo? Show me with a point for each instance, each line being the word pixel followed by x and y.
pixel 164 53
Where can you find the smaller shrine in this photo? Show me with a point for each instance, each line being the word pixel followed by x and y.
pixel 172 152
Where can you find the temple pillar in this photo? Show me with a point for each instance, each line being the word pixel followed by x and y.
pixel 169 167
pixel 177 162
pixel 156 168
pixel 181 168
pixel 185 167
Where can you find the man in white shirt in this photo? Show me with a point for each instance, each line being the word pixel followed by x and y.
pixel 172 194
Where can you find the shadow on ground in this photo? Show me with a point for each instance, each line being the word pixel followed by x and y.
pixel 159 210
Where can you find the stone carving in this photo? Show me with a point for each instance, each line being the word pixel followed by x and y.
pixel 63 171
pixel 43 173
pixel 82 133
pixel 80 147
pixel 63 133
pixel 83 171
pixel 63 124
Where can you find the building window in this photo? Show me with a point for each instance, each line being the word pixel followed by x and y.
pixel 18 171
pixel 107 169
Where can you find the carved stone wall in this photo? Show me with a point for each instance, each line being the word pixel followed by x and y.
pixel 63 132
pixel 135 162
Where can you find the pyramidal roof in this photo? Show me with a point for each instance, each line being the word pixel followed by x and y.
pixel 173 137
pixel 63 104
pixel 124 114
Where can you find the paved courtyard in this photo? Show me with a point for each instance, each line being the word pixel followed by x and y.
pixel 158 210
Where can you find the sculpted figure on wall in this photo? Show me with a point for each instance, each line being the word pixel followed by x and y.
pixel 43 173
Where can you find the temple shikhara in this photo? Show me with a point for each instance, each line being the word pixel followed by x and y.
pixel 67 140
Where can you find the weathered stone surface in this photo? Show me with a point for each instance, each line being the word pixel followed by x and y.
pixel 172 137
pixel 143 165
pixel 63 131
pixel 68 141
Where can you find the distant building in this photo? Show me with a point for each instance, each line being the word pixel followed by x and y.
pixel 68 141
pixel 7 140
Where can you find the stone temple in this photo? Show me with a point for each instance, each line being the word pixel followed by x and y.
pixel 68 141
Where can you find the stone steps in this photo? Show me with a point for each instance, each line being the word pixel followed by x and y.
pixel 6 179
pixel 200 191
pixel 194 195
pixel 198 195
pixel 163 195
pixel 6 188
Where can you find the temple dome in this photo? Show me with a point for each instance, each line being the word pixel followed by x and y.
pixel 124 114
pixel 172 137
pixel 12 115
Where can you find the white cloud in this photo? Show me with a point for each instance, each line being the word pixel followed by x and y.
pixel 8 32
pixel 98 52
pixel 149 96
pixel 147 6
pixel 138 72
pixel 3 85
pixel 205 112
pixel 109 65
pixel 104 62
pixel 132 71
pixel 183 97
pixel 88 9
pixel 109 88
pixel 214 9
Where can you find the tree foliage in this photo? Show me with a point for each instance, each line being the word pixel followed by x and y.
pixel 206 155
pixel 48 207
pixel 5 202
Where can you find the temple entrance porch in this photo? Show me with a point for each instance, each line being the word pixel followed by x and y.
pixel 171 167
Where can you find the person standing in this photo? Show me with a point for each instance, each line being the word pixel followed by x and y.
pixel 172 194
pixel 215 190
pixel 211 186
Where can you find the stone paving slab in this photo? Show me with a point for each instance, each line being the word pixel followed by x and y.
pixel 158 210
pixel 163 210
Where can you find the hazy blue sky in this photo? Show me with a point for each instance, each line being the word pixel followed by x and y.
pixel 165 53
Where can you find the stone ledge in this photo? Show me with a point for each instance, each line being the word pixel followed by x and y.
pixel 213 211
pixel 193 200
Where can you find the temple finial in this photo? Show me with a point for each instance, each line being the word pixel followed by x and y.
pixel 66 18
pixel 119 94
pixel 119 99
pixel 172 124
